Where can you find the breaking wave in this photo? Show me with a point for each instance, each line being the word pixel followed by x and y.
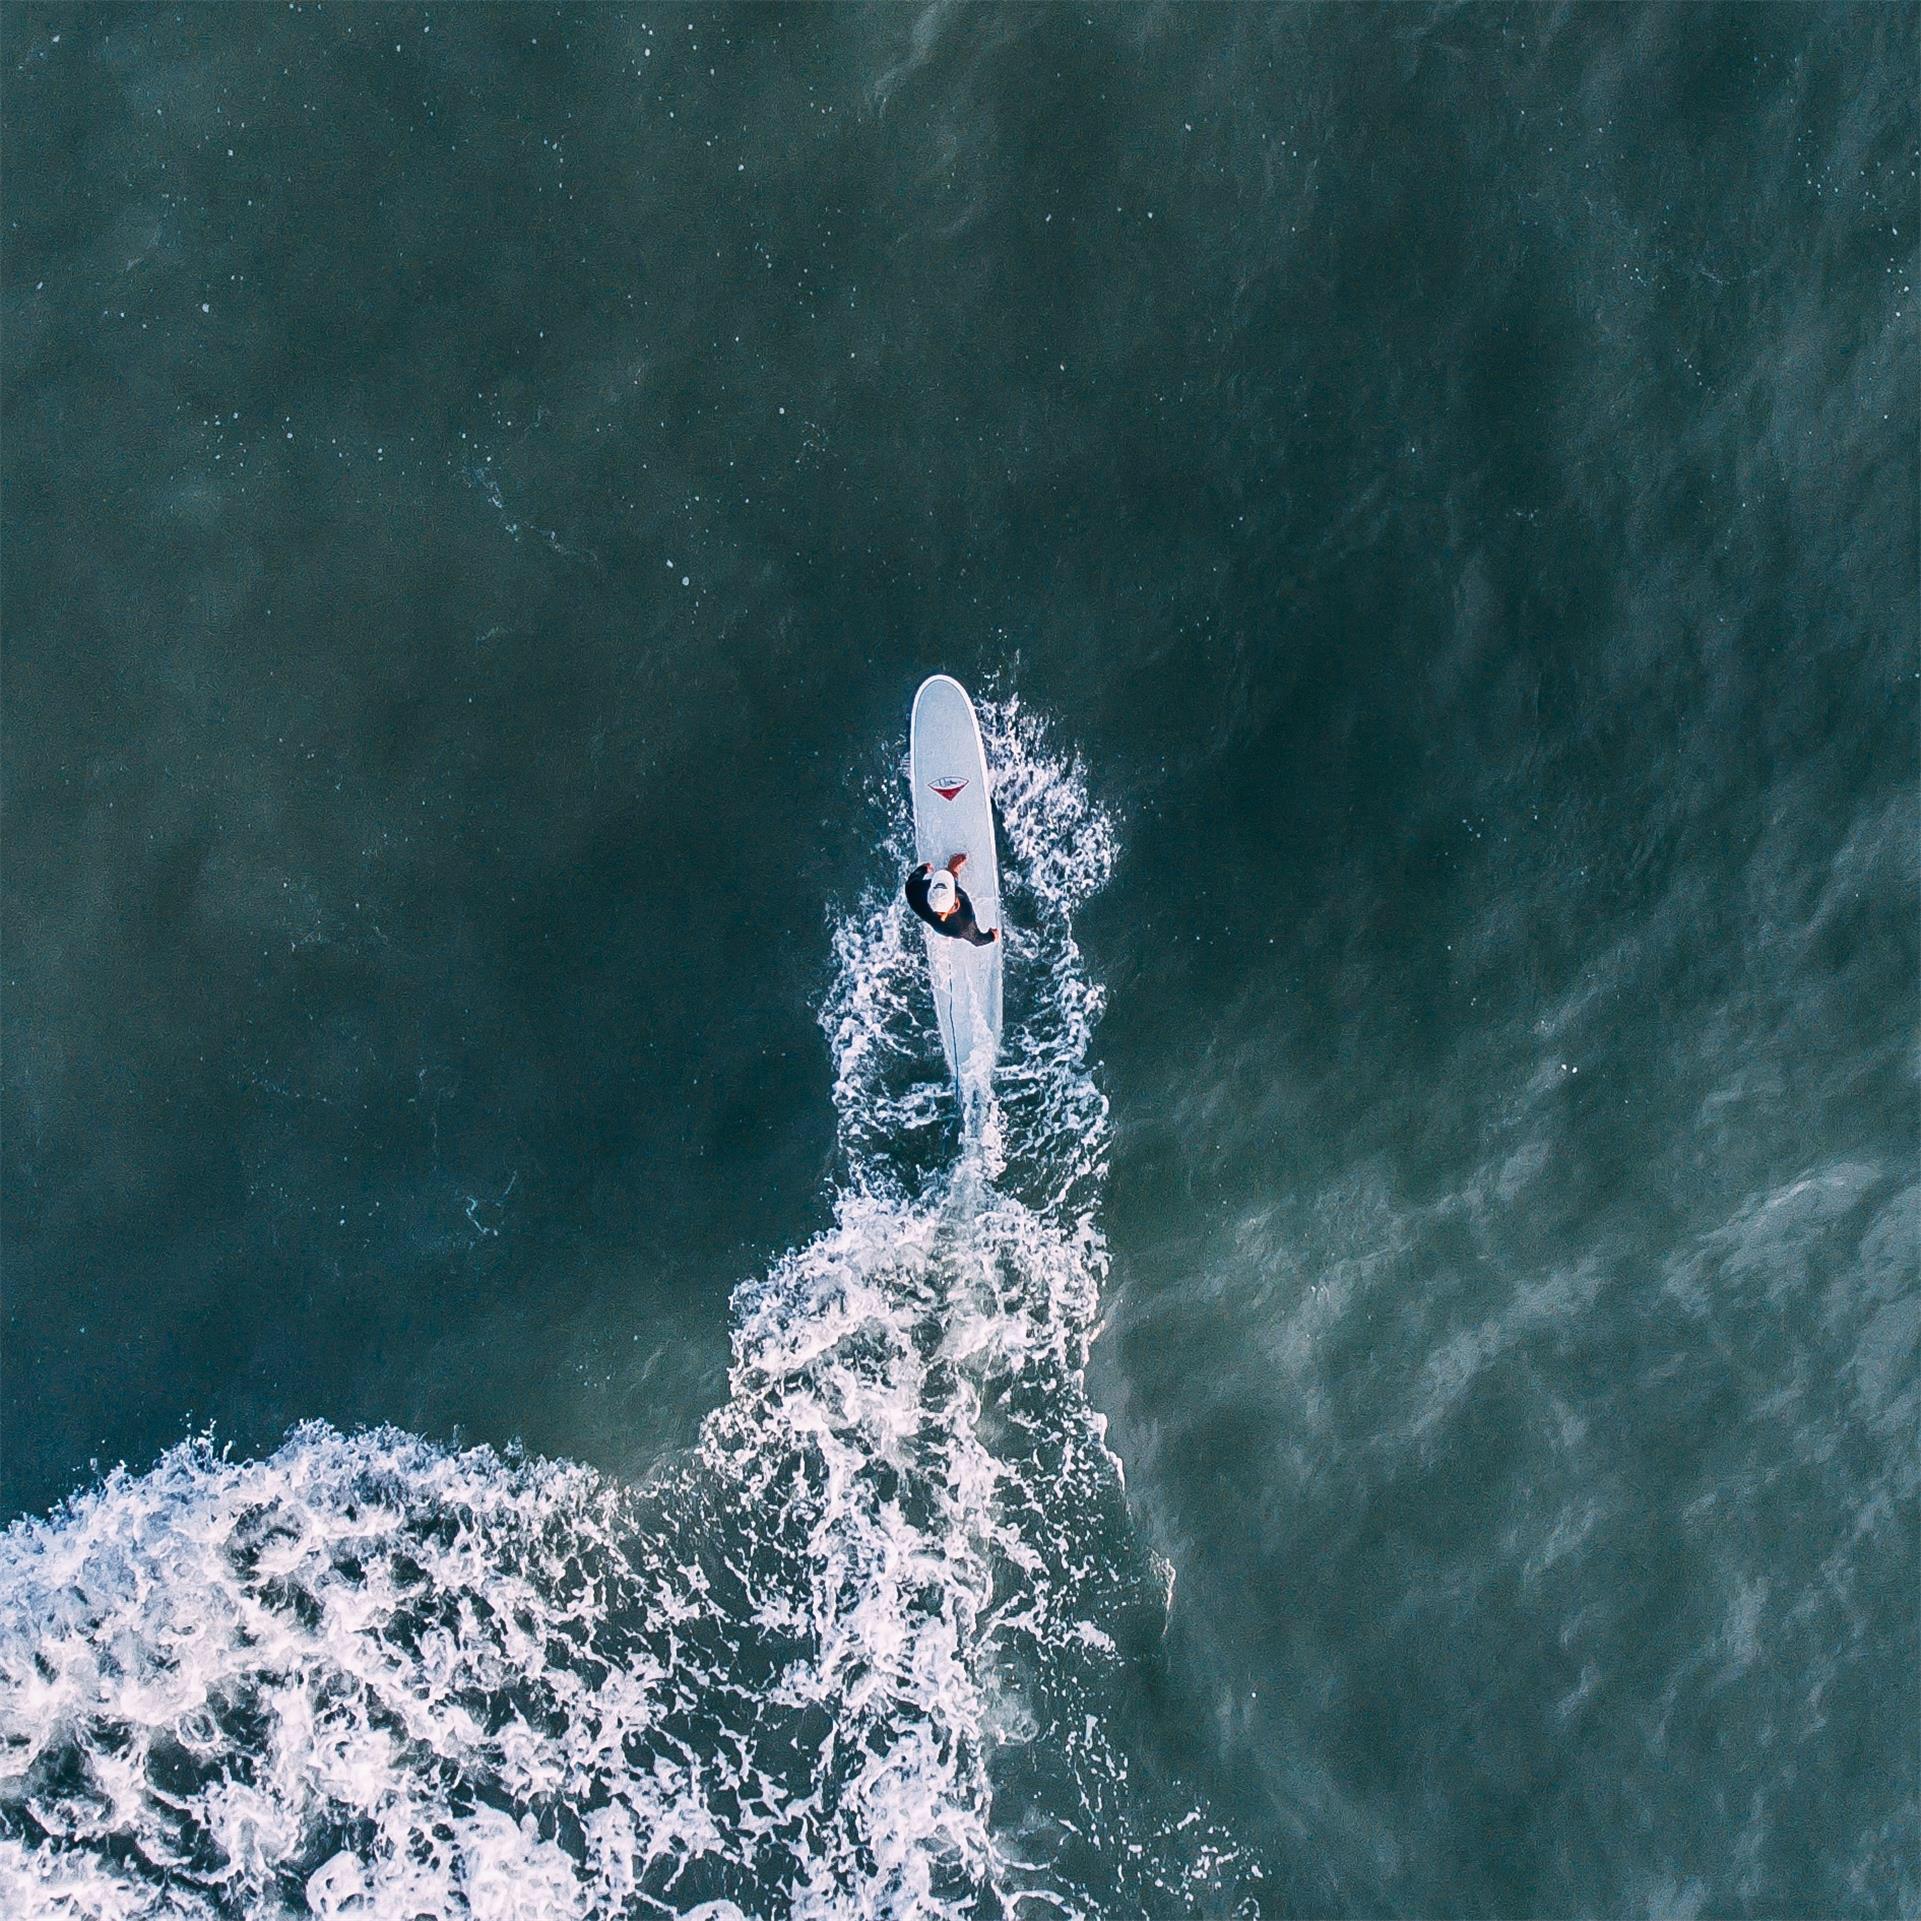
pixel 866 1651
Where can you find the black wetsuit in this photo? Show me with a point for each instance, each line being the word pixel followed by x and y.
pixel 960 924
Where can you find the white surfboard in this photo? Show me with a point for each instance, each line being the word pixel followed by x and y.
pixel 954 814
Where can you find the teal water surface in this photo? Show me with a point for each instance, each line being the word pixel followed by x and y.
pixel 1412 1408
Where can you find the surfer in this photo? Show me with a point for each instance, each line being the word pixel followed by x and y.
pixel 937 896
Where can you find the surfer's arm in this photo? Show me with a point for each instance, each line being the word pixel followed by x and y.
pixel 916 891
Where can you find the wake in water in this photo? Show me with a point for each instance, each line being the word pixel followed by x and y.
pixel 862 1654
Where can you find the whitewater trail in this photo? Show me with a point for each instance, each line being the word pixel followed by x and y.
pixel 859 1654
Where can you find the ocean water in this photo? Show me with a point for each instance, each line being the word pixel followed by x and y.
pixel 520 1397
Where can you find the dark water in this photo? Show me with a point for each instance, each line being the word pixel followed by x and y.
pixel 481 486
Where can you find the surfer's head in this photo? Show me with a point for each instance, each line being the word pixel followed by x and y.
pixel 943 892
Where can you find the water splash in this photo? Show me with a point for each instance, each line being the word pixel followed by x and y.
pixel 860 1654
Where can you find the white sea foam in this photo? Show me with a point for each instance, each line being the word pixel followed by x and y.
pixel 855 1656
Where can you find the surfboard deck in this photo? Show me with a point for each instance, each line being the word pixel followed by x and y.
pixel 954 814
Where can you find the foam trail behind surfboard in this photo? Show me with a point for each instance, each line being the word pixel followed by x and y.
pixel 862 1655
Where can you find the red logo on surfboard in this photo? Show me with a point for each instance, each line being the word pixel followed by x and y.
pixel 947 788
